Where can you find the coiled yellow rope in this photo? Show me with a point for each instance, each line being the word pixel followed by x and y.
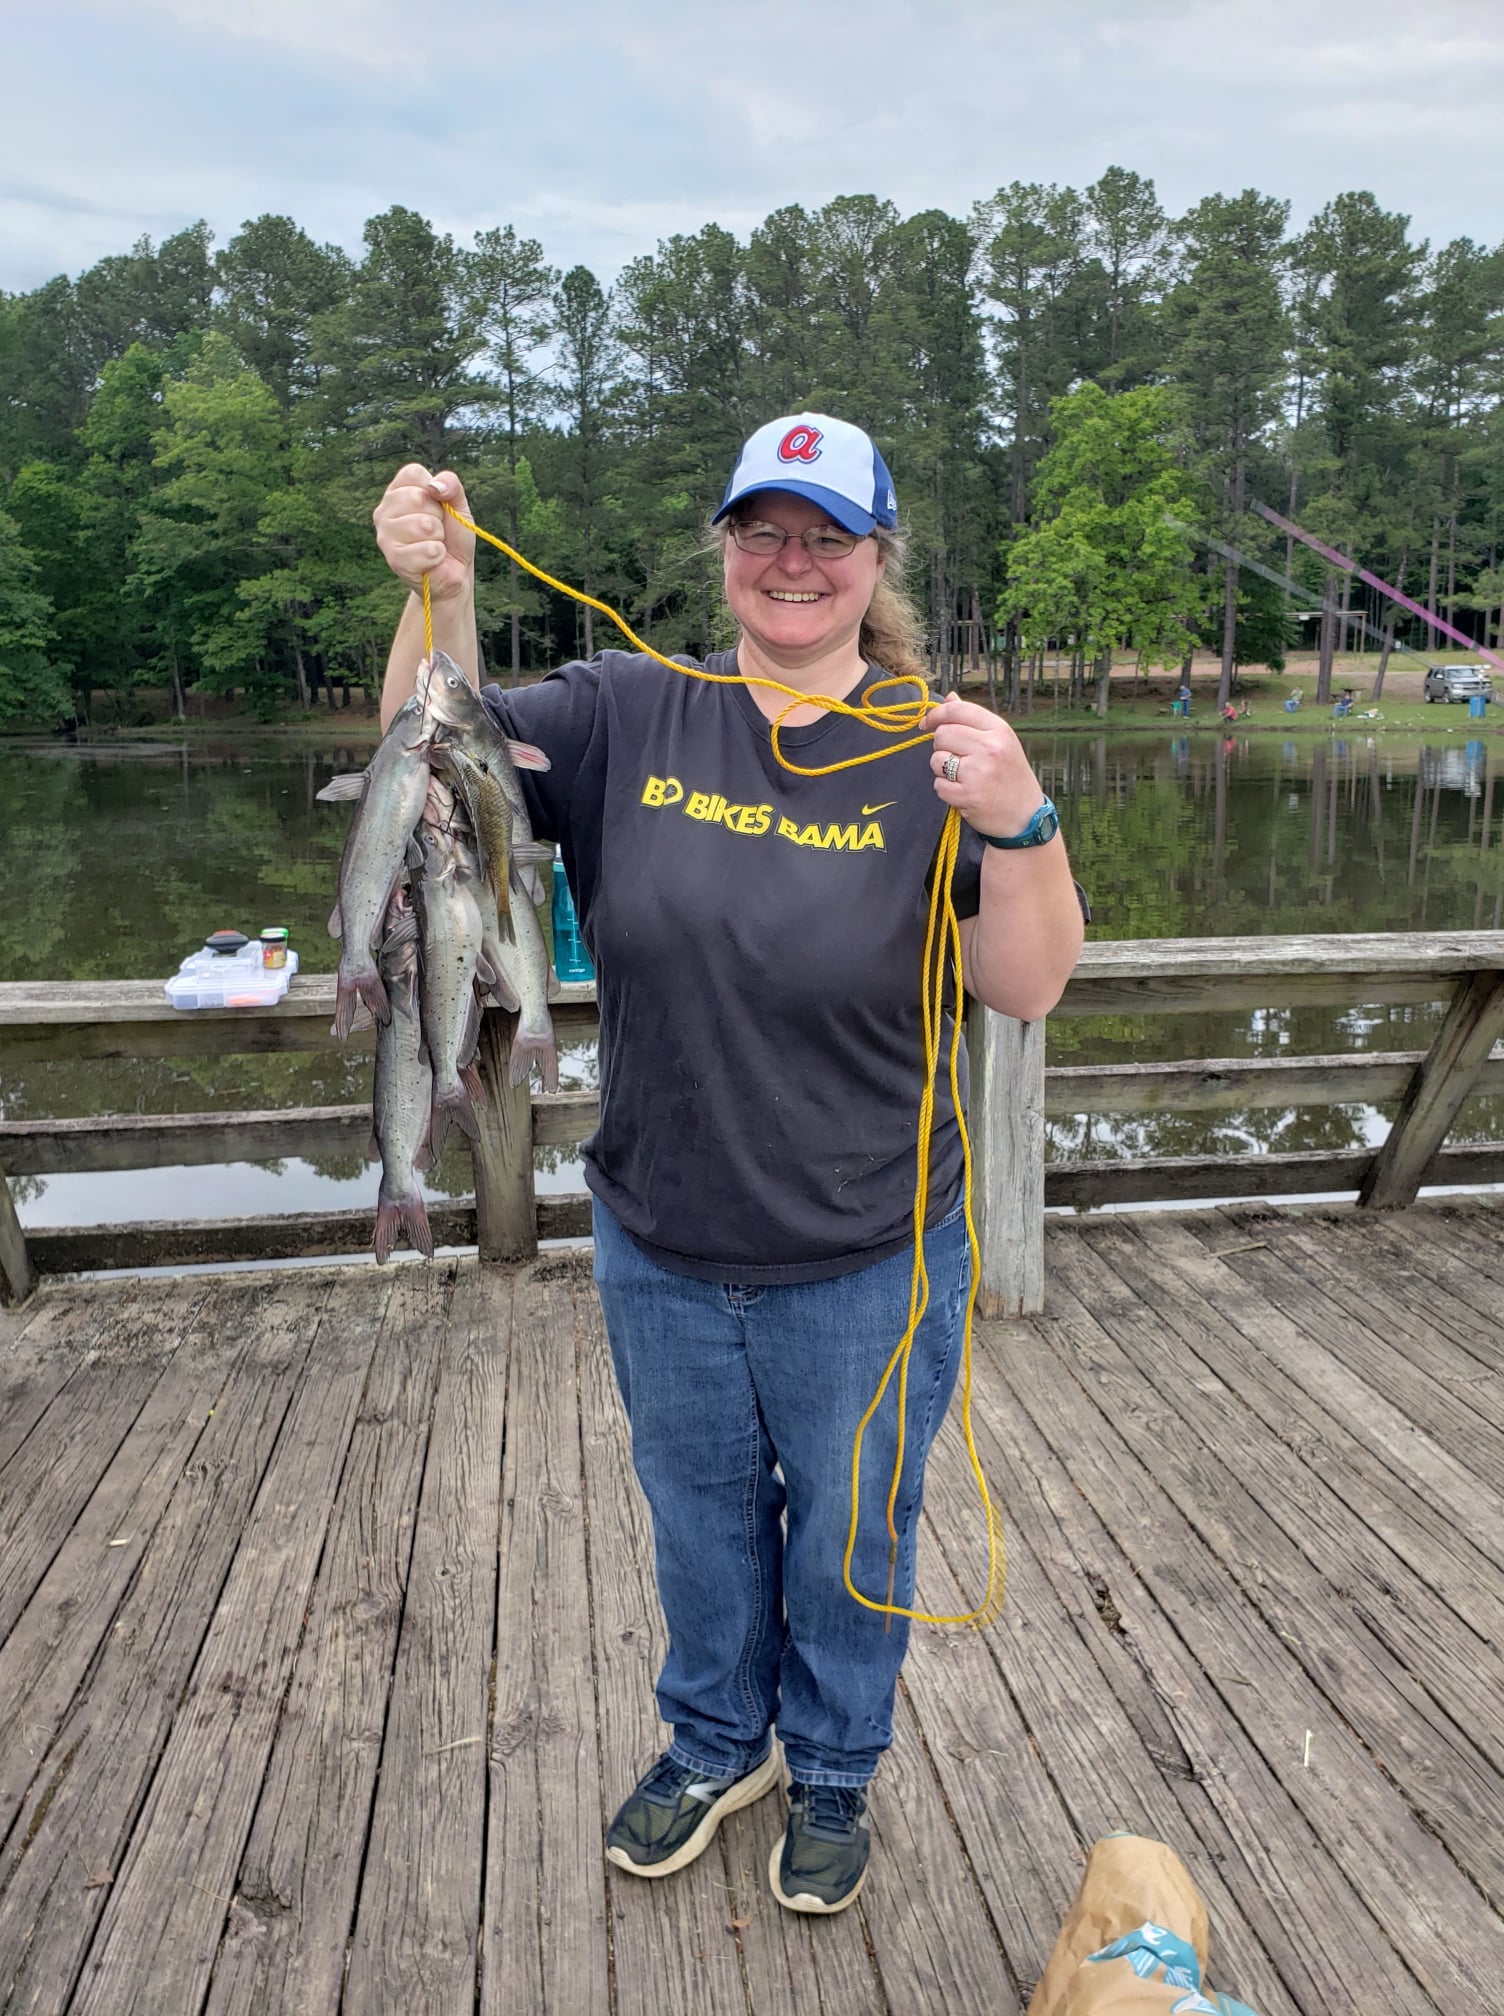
pixel 942 954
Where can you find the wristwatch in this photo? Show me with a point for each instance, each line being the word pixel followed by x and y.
pixel 1043 826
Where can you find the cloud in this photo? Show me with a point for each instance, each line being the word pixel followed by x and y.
pixel 601 129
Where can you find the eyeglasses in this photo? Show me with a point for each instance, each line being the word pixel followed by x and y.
pixel 821 542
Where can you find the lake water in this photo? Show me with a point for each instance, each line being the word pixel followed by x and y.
pixel 118 864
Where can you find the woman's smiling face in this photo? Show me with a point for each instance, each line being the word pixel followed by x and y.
pixel 797 608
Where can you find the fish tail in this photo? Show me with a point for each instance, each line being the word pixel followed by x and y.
pixel 357 984
pixel 453 1103
pixel 407 1214
pixel 539 1048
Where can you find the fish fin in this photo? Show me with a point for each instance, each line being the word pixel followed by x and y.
pixel 348 784
pixel 527 757
pixel 502 994
pixel 485 973
pixel 405 932
pixel 529 883
pixel 470 1079
pixel 361 1019
pixel 408 1214
pixel 373 1150
pixel 336 923
pixel 424 1157
pixel 535 1047
pixel 532 852
pixel 354 985
pixel 454 1105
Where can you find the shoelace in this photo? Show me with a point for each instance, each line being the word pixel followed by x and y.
pixel 829 1810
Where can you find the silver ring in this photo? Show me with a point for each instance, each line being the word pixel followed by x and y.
pixel 951 769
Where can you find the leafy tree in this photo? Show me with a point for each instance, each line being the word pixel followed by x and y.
pixel 33 687
pixel 514 293
pixel 1107 561
pixel 1229 358
pixel 585 396
pixel 274 283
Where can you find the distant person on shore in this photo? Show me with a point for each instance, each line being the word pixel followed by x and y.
pixel 1292 703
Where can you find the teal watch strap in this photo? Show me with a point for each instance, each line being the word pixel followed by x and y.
pixel 1042 827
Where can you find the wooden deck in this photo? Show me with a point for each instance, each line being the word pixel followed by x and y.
pixel 327 1638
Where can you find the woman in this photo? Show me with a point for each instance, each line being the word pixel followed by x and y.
pixel 758 938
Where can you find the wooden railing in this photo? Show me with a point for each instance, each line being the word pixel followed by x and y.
pixel 1012 1095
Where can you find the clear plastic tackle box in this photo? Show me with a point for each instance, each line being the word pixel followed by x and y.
pixel 230 979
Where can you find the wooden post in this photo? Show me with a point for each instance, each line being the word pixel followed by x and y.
pixel 17 1275
pixel 506 1214
pixel 1473 1023
pixel 1007 1148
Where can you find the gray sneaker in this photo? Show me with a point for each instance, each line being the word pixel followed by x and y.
pixel 673 1813
pixel 821 1862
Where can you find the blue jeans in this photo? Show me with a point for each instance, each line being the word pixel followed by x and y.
pixel 743 1403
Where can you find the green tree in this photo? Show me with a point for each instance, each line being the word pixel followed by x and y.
pixel 33 688
pixel 1107 560
pixel 1229 359
pixel 586 391
pixel 514 292
pixel 274 283
pixel 221 452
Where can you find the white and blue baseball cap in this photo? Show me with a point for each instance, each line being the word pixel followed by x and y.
pixel 832 463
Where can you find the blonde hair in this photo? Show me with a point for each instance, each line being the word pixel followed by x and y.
pixel 892 632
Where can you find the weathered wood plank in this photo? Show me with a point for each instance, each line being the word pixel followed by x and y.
pixel 1205 1261
pixel 285 1945
pixel 85 1794
pixel 673 1954
pixel 46 1656
pixel 563 1119
pixel 1378 1672
pixel 157 1940
pixel 545 1939
pixel 54 1473
pixel 133 1018
pixel 179 1140
pixel 1092 1716
pixel 1470 1028
pixel 417 1923
pixel 44 1346
pixel 298 1235
pixel 1428 1906
pixel 1474 1507
pixel 1174 1179
pixel 18 1277
pixel 1435 1247
pixel 187 1140
pixel 1007 1149
pixel 506 1223
pixel 1233 1084
pixel 1288 1923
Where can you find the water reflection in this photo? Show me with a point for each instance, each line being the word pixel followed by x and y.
pixel 117 864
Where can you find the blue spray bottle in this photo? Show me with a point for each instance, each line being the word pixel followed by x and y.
pixel 571 960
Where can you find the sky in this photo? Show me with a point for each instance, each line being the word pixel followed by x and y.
pixel 600 129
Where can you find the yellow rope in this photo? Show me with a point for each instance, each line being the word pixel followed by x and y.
pixel 942 937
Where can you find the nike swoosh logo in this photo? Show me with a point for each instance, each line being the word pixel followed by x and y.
pixel 868 810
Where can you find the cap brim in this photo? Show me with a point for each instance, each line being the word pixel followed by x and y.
pixel 840 509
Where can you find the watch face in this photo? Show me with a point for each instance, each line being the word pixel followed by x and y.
pixel 1047 825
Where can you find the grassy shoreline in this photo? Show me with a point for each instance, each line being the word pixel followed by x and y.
pixel 1137 706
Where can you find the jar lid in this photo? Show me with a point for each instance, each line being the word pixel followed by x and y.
pixel 276 932
pixel 222 942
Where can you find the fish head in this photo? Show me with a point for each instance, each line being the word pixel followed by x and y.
pixel 447 696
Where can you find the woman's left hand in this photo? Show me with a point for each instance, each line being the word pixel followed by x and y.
pixel 994 784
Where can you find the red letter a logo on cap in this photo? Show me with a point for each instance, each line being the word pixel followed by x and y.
pixel 800 444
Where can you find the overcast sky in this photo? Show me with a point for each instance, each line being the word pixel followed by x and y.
pixel 601 128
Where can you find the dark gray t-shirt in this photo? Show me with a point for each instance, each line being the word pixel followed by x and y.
pixel 757 939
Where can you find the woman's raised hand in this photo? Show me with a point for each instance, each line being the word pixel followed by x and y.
pixel 417 536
